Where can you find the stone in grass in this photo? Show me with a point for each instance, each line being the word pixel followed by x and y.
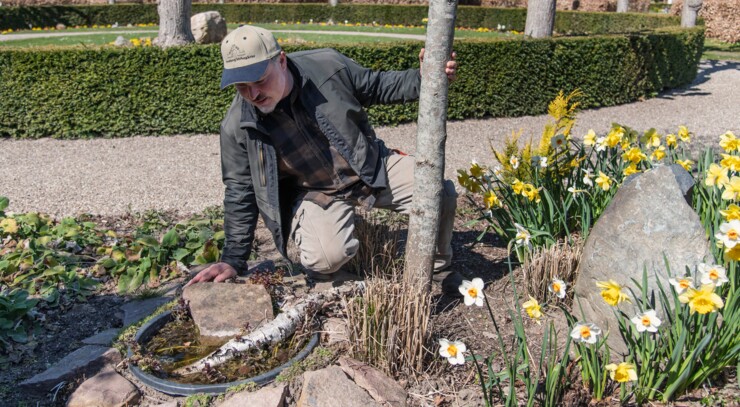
pixel 121 42
pixel 327 386
pixel 649 217
pixel 105 389
pixel 223 310
pixel 381 388
pixel 87 361
pixel 272 396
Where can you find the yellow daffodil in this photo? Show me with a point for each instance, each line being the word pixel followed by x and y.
pixel 670 140
pixel 647 321
pixel 658 154
pixel 533 309
pixel 517 186
pixel 557 287
pixel 733 254
pixel 585 332
pixel 634 155
pixel 730 161
pixel 652 138
pixel 732 189
pixel 9 225
pixel 623 372
pixel 475 169
pixel 491 200
pixel 731 213
pixel 558 142
pixel 729 142
pixel 630 169
pixel 514 161
pixel 532 193
pixel 472 291
pixel 681 284
pixel 522 237
pixel 712 274
pixel 590 138
pixel 703 300
pixel 686 164
pixel 683 134
pixel 471 184
pixel 614 137
pixel 603 181
pixel 716 176
pixel 612 292
pixel 574 163
pixel 453 351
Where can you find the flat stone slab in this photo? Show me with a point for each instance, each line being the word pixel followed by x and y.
pixel 87 360
pixel 224 310
pixel 273 396
pixel 329 386
pixel 135 311
pixel 104 338
pixel 381 388
pixel 105 389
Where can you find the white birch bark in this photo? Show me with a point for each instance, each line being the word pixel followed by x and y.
pixel 174 23
pixel 540 18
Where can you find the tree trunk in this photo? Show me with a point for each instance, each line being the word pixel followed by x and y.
pixel 689 12
pixel 540 18
pixel 174 23
pixel 430 142
pixel 623 6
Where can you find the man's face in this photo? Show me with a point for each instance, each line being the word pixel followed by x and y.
pixel 265 93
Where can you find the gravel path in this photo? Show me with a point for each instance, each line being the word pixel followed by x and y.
pixel 115 176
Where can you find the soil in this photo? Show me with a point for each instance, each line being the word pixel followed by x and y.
pixel 443 385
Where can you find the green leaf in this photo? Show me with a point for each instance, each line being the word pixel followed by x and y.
pixel 171 239
pixel 180 253
pixel 148 241
pixel 4 202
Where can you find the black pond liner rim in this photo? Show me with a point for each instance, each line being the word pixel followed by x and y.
pixel 148 330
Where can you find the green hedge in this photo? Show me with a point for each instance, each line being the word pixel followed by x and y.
pixel 568 22
pixel 118 92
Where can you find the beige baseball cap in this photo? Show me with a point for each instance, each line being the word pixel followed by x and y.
pixel 246 52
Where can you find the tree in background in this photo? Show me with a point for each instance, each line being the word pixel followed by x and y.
pixel 540 18
pixel 174 23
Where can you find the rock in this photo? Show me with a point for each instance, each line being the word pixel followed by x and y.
pixel 121 42
pixel 87 360
pixel 327 386
pixel 104 338
pixel 335 330
pixel 273 396
pixel 105 389
pixel 60 26
pixel 649 216
pixel 135 311
pixel 172 403
pixel 208 27
pixel 381 388
pixel 223 310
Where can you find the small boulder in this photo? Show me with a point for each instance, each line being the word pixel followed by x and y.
pixel 649 217
pixel 223 310
pixel 60 26
pixel 105 389
pixel 272 396
pixel 208 27
pixel 381 388
pixel 121 42
pixel 335 330
pixel 327 386
pixel 87 360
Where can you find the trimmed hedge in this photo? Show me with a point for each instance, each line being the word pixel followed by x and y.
pixel 567 22
pixel 118 92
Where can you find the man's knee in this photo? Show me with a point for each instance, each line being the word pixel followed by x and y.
pixel 329 257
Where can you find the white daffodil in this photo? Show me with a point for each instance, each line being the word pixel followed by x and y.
pixel 648 321
pixel 453 351
pixel 543 162
pixel 522 237
pixel 585 332
pixel 557 287
pixel 716 275
pixel 681 284
pixel 600 144
pixel 557 142
pixel 514 161
pixel 587 178
pixel 472 291
pixel 729 233
pixel 575 191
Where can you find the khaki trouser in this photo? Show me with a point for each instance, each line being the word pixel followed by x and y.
pixel 325 237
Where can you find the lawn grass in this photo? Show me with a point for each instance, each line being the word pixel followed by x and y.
pixel 718 50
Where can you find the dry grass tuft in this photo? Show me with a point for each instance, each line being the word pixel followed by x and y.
pixel 544 264
pixel 380 235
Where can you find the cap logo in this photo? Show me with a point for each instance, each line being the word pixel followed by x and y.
pixel 236 54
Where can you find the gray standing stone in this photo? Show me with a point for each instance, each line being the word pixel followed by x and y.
pixel 121 42
pixel 135 311
pixel 105 389
pixel 223 310
pixel 648 217
pixel 87 360
pixel 208 27
pixel 273 396
pixel 381 388
pixel 104 338
pixel 329 386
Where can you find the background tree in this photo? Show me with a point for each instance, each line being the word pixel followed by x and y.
pixel 540 18
pixel 174 23
pixel 430 141
pixel 623 6
pixel 689 12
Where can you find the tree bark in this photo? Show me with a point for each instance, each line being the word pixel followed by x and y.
pixel 430 142
pixel 690 10
pixel 540 18
pixel 174 23
pixel 623 6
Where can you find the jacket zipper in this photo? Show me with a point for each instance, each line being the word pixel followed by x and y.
pixel 263 181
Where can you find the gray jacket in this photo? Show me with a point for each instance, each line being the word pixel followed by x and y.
pixel 334 89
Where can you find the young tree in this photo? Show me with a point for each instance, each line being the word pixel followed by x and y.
pixel 689 12
pixel 174 23
pixel 540 18
pixel 623 6
pixel 430 141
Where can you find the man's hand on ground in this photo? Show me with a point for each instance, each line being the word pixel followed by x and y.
pixel 217 273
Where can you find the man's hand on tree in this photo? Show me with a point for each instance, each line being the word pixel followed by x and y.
pixel 217 273
pixel 450 67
